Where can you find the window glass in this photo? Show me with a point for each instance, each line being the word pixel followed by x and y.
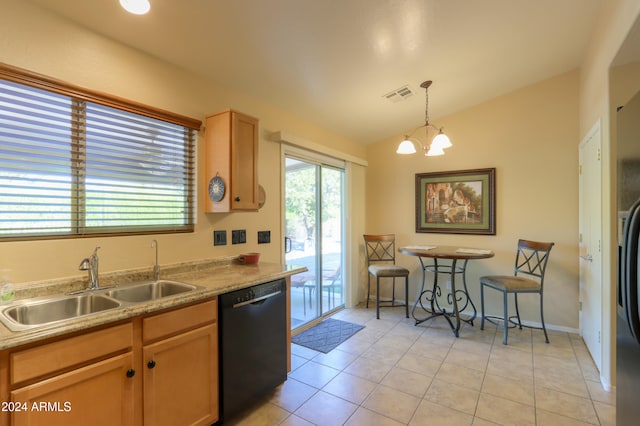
pixel 73 167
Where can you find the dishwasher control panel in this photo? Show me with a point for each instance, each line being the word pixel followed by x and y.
pixel 255 293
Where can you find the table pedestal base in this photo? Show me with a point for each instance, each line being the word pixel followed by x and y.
pixel 427 301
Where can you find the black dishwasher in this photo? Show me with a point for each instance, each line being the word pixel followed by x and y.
pixel 253 344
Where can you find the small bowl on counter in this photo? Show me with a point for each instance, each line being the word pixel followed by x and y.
pixel 248 258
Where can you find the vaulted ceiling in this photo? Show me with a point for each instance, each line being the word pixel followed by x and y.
pixel 333 61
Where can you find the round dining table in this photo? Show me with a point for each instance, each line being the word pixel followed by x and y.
pixel 427 305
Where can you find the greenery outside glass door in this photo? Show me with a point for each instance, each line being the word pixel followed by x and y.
pixel 314 228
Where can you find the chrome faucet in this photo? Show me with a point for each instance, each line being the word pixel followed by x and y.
pixel 91 264
pixel 156 267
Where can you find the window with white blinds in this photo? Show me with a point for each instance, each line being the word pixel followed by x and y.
pixel 73 167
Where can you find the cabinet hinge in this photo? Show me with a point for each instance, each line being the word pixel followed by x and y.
pixel 598 154
pixel 580 169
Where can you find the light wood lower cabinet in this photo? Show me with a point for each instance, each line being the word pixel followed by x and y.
pixel 177 379
pixel 76 380
pixel 97 394
pixel 160 369
pixel 180 367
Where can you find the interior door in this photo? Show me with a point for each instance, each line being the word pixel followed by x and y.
pixel 314 228
pixel 590 226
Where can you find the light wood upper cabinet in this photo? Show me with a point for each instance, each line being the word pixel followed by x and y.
pixel 231 153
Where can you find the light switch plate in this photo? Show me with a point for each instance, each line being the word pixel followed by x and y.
pixel 238 236
pixel 264 237
pixel 219 238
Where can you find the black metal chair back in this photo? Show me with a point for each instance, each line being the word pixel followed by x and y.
pixel 381 248
pixel 532 258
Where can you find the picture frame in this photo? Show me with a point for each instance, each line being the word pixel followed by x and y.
pixel 456 202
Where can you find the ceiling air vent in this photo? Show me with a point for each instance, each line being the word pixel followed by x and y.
pixel 399 94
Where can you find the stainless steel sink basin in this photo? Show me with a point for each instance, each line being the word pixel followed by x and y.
pixel 46 311
pixel 32 313
pixel 149 291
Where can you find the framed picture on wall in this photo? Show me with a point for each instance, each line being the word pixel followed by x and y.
pixel 456 202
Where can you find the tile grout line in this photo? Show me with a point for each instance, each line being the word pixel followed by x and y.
pixel 377 336
pixel 595 410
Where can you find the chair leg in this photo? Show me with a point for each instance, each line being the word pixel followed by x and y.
pixel 546 338
pixel 393 291
pixel 517 311
pixel 406 296
pixel 368 289
pixel 333 296
pixel 482 305
pixel 377 297
pixel 506 318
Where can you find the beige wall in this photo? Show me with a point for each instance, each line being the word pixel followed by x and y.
pixel 514 133
pixel 616 19
pixel 62 50
pixel 624 83
pixel 530 136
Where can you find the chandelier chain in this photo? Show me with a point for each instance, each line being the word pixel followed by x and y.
pixel 426 107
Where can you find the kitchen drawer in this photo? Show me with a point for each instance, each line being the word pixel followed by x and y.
pixel 63 354
pixel 172 322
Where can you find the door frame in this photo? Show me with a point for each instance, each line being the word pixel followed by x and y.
pixel 321 160
pixel 596 255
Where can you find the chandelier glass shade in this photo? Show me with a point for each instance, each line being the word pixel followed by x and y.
pixel 406 147
pixel 137 7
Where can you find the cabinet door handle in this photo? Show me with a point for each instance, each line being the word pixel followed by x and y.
pixel 131 372
pixel 237 199
pixel 151 364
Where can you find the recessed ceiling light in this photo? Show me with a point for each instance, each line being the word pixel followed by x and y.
pixel 137 7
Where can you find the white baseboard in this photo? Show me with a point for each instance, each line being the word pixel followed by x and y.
pixel 533 324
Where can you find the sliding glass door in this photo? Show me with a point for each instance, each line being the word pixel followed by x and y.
pixel 314 236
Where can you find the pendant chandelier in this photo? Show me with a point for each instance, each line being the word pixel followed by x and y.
pixel 439 142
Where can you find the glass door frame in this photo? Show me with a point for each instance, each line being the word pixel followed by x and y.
pixel 320 163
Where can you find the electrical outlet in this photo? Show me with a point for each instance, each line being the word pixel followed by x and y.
pixel 264 237
pixel 219 238
pixel 238 236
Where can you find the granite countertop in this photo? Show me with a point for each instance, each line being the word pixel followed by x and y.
pixel 214 277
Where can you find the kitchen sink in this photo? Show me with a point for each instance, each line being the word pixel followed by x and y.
pixel 32 313
pixel 149 291
pixel 46 311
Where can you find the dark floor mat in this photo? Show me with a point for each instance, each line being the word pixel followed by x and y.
pixel 326 335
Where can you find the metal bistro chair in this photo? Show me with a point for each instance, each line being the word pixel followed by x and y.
pixel 531 260
pixel 330 282
pixel 381 259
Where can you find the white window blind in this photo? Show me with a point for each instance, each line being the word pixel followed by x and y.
pixel 69 166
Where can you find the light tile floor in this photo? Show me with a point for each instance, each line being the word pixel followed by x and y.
pixel 394 373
